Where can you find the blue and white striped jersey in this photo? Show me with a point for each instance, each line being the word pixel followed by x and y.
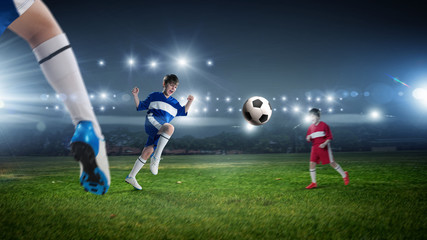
pixel 162 109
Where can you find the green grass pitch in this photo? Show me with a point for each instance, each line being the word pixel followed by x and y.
pixel 219 197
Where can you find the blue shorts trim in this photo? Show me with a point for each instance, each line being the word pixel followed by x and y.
pixel 8 14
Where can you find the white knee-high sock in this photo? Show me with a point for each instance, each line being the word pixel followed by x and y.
pixel 163 140
pixel 59 66
pixel 340 170
pixel 313 175
pixel 137 167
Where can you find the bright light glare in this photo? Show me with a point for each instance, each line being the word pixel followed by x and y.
pixel 102 108
pixel 131 62
pixel 103 95
pixel 101 63
pixel 227 99
pixel 317 99
pixel 230 109
pixel 307 119
pixel 153 64
pixel 182 62
pixel 296 109
pixel 285 109
pixel 249 127
pixel 420 94
pixel 209 62
pixel 329 98
pixel 374 115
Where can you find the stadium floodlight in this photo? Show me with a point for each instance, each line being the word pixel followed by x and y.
pixel 342 109
pixel 92 96
pixel 103 95
pixel 375 115
pixel 227 99
pixel 102 108
pixel 296 109
pixel 113 107
pixel 307 119
pixel 309 99
pixel 249 127
pixel 297 99
pixel 56 107
pixel 217 99
pixel 283 98
pixel 230 109
pixel 131 62
pixel 47 108
pixel 318 99
pixel 153 64
pixel 284 109
pixel 329 98
pixel 101 62
pixel 239 98
pixel 330 110
pixel 205 109
pixel 209 62
pixel 182 62
pixel 274 109
pixel 216 110
pixel 208 98
pixel 274 99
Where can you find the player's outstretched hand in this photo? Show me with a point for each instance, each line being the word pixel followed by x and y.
pixel 322 145
pixel 135 91
pixel 308 138
pixel 190 98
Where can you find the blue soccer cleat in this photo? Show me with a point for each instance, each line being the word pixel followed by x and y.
pixel 89 151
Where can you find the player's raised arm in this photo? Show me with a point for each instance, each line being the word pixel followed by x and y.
pixel 190 99
pixel 135 92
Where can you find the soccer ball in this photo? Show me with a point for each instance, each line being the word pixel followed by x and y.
pixel 257 110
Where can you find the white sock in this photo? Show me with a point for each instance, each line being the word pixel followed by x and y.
pixel 163 140
pixel 59 66
pixel 139 163
pixel 313 175
pixel 340 170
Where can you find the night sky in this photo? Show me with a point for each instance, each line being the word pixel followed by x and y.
pixel 344 50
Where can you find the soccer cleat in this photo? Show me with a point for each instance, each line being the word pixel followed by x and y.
pixel 132 181
pixel 312 185
pixel 346 179
pixel 89 151
pixel 154 165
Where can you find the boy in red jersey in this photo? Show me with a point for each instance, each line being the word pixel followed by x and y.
pixel 320 136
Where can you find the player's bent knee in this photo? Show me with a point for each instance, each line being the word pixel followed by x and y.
pixel 168 128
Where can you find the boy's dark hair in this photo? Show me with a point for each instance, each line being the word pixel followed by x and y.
pixel 170 78
pixel 314 111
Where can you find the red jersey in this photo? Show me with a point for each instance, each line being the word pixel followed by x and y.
pixel 319 134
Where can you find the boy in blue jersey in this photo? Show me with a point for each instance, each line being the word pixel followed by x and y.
pixel 162 108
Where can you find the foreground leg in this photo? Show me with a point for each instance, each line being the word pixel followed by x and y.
pixel 58 63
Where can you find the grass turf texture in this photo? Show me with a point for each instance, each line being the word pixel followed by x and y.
pixel 220 197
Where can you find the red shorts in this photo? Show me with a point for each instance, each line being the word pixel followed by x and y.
pixel 323 155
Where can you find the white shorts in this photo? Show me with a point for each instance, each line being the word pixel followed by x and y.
pixel 11 10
